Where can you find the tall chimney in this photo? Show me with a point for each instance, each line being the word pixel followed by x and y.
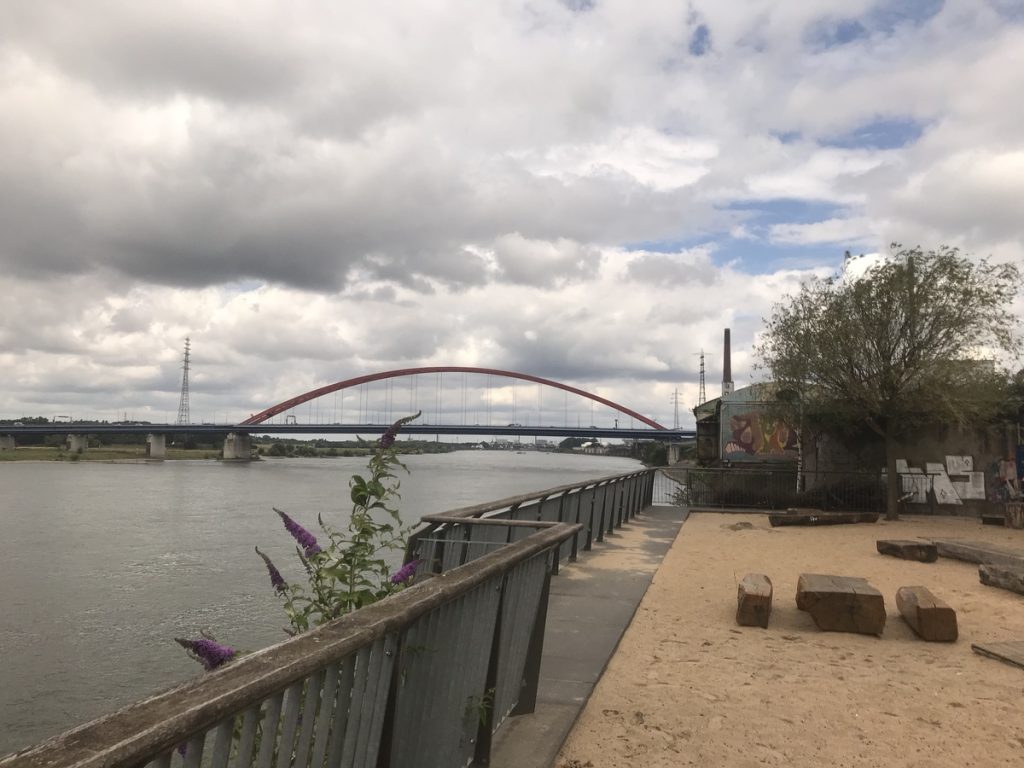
pixel 727 365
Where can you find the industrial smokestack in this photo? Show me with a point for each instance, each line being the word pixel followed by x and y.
pixel 727 365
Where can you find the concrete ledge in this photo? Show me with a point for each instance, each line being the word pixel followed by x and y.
pixel 592 603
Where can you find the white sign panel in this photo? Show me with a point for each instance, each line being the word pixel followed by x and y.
pixel 971 488
pixel 959 465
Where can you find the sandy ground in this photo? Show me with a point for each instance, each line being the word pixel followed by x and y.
pixel 688 686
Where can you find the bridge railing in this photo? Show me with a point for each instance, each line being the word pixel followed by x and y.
pixel 422 678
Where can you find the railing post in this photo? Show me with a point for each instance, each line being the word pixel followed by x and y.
pixel 588 545
pixel 531 670
pixel 485 729
pixel 574 546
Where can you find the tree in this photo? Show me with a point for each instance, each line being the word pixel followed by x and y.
pixel 912 342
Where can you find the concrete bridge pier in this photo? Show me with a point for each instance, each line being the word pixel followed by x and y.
pixel 6 442
pixel 78 443
pixel 237 447
pixel 675 453
pixel 156 446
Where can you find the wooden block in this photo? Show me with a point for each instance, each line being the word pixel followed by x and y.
pixel 1012 651
pixel 979 552
pixel 754 601
pixel 921 551
pixel 1015 514
pixel 1002 576
pixel 927 615
pixel 841 603
pixel 817 517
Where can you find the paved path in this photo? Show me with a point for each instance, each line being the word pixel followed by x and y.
pixel 592 603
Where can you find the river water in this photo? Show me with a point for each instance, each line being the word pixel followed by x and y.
pixel 101 565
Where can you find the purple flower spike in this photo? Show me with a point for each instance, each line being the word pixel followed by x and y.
pixel 405 573
pixel 276 580
pixel 306 539
pixel 209 653
pixel 388 438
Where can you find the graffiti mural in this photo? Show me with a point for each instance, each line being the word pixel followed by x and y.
pixel 751 435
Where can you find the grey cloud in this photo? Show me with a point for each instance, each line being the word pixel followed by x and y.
pixel 150 51
pixel 544 264
pixel 673 268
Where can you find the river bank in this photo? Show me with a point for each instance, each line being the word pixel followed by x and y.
pixel 687 686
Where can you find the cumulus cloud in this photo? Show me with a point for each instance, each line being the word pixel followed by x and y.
pixel 583 190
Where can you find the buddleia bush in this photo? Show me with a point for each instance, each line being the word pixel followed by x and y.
pixel 345 568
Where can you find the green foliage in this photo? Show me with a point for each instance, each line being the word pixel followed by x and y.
pixel 353 569
pixel 654 453
pixel 909 343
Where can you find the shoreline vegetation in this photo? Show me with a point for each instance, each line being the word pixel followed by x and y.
pixel 137 452
pixel 132 453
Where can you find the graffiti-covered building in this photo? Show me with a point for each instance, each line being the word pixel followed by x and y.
pixel 738 428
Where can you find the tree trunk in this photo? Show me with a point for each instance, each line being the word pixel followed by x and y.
pixel 892 489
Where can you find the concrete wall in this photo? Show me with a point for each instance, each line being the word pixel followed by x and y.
pixel 833 454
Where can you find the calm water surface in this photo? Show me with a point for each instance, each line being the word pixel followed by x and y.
pixel 101 565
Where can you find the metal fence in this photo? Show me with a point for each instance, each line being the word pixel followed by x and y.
pixel 422 678
pixel 733 487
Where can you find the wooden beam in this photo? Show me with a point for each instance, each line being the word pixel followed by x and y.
pixel 979 552
pixel 754 601
pixel 1011 652
pixel 841 603
pixel 818 517
pixel 1003 577
pixel 921 551
pixel 931 618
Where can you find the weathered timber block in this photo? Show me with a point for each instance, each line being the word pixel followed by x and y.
pixel 815 517
pixel 931 618
pixel 1011 651
pixel 979 552
pixel 1015 514
pixel 754 601
pixel 1002 576
pixel 906 549
pixel 841 603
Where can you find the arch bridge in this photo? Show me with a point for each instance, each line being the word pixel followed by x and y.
pixel 313 394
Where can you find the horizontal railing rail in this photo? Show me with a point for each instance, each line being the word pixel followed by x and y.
pixel 422 678
pixel 598 506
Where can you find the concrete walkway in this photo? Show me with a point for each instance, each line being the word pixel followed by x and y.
pixel 592 603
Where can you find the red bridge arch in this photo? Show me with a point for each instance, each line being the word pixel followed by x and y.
pixel 281 407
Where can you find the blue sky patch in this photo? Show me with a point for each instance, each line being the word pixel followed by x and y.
pixel 883 133
pixel 700 43
pixel 756 254
pixel 835 33
pixel 887 16
pixel 785 210
pixel 758 257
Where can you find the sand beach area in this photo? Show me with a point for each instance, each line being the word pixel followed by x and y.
pixel 687 686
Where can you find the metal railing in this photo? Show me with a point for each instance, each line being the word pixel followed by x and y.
pixel 423 678
pixel 598 506
pixel 743 488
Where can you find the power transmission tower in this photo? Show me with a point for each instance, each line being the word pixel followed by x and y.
pixel 702 396
pixel 183 417
pixel 675 402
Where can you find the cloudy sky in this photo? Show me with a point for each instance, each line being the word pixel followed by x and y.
pixel 585 190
